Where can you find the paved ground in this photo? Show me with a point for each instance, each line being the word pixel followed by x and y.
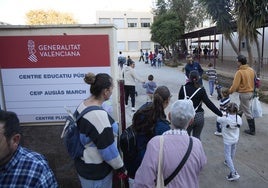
pixel 251 158
pixel 251 154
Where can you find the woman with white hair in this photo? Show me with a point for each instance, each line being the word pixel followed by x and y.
pixel 175 146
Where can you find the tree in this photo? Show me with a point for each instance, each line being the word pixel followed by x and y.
pixel 41 17
pixel 247 16
pixel 166 30
pixel 184 15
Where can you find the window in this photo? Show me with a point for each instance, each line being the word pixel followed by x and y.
pixel 119 22
pixel 133 46
pixel 104 21
pixel 145 22
pixel 132 22
pixel 121 46
pixel 145 45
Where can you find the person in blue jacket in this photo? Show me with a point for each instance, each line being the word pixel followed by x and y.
pixel 193 65
pixel 150 120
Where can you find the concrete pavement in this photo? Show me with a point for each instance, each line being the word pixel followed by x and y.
pixel 252 152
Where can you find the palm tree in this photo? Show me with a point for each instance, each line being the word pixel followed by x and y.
pixel 248 15
pixel 251 15
pixel 220 13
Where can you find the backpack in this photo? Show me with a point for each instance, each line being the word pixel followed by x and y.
pixel 131 147
pixel 128 143
pixel 186 97
pixel 71 133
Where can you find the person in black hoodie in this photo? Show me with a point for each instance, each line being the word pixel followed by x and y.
pixel 191 91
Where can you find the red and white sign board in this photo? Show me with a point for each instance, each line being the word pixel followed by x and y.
pixel 43 74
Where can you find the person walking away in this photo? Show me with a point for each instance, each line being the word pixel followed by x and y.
pixel 19 166
pixel 151 57
pixel 212 76
pixel 148 121
pixel 159 58
pixel 150 86
pixel 181 115
pixel 230 134
pixel 205 51
pixel 146 57
pixel 121 60
pixel 141 55
pixel 129 60
pixel 243 83
pixel 98 134
pixel 192 65
pixel 198 96
pixel 223 106
pixel 130 76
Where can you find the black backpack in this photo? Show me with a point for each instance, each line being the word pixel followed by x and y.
pixel 128 143
pixel 71 134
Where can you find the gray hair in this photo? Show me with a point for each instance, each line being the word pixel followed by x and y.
pixel 182 111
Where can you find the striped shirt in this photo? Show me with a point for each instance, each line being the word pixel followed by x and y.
pixel 224 103
pixel 98 133
pixel 27 169
pixel 212 74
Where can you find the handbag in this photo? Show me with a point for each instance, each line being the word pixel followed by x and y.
pixel 256 109
pixel 160 178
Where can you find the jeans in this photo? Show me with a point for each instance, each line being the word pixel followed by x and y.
pixel 103 183
pixel 211 86
pixel 229 153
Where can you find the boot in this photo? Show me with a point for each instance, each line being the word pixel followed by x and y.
pixel 251 124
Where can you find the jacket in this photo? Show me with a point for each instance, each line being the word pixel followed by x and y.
pixel 130 76
pixel 199 98
pixel 230 134
pixel 243 80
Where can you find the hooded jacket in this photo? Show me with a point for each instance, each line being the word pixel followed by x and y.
pixel 130 76
pixel 230 133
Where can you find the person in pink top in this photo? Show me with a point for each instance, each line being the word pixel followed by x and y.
pixel 175 145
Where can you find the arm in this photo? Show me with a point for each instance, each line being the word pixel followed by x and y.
pixel 134 75
pixel 148 166
pixel 200 70
pixel 181 93
pixel 210 104
pixel 236 82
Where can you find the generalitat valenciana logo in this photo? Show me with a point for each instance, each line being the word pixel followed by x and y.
pixel 31 49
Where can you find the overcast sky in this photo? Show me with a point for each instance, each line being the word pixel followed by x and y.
pixel 84 11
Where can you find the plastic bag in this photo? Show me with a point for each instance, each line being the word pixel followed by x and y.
pixel 256 108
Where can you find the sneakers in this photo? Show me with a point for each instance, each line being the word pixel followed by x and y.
pixel 233 176
pixel 218 133
pixel 133 109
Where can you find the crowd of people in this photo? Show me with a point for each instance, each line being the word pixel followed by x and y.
pixel 158 134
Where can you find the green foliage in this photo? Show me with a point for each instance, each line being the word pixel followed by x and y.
pixel 166 29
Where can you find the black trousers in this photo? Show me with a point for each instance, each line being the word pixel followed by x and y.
pixel 130 91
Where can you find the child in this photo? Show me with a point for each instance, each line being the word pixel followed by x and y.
pixel 218 89
pixel 224 101
pixel 212 76
pixel 150 87
pixel 230 133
